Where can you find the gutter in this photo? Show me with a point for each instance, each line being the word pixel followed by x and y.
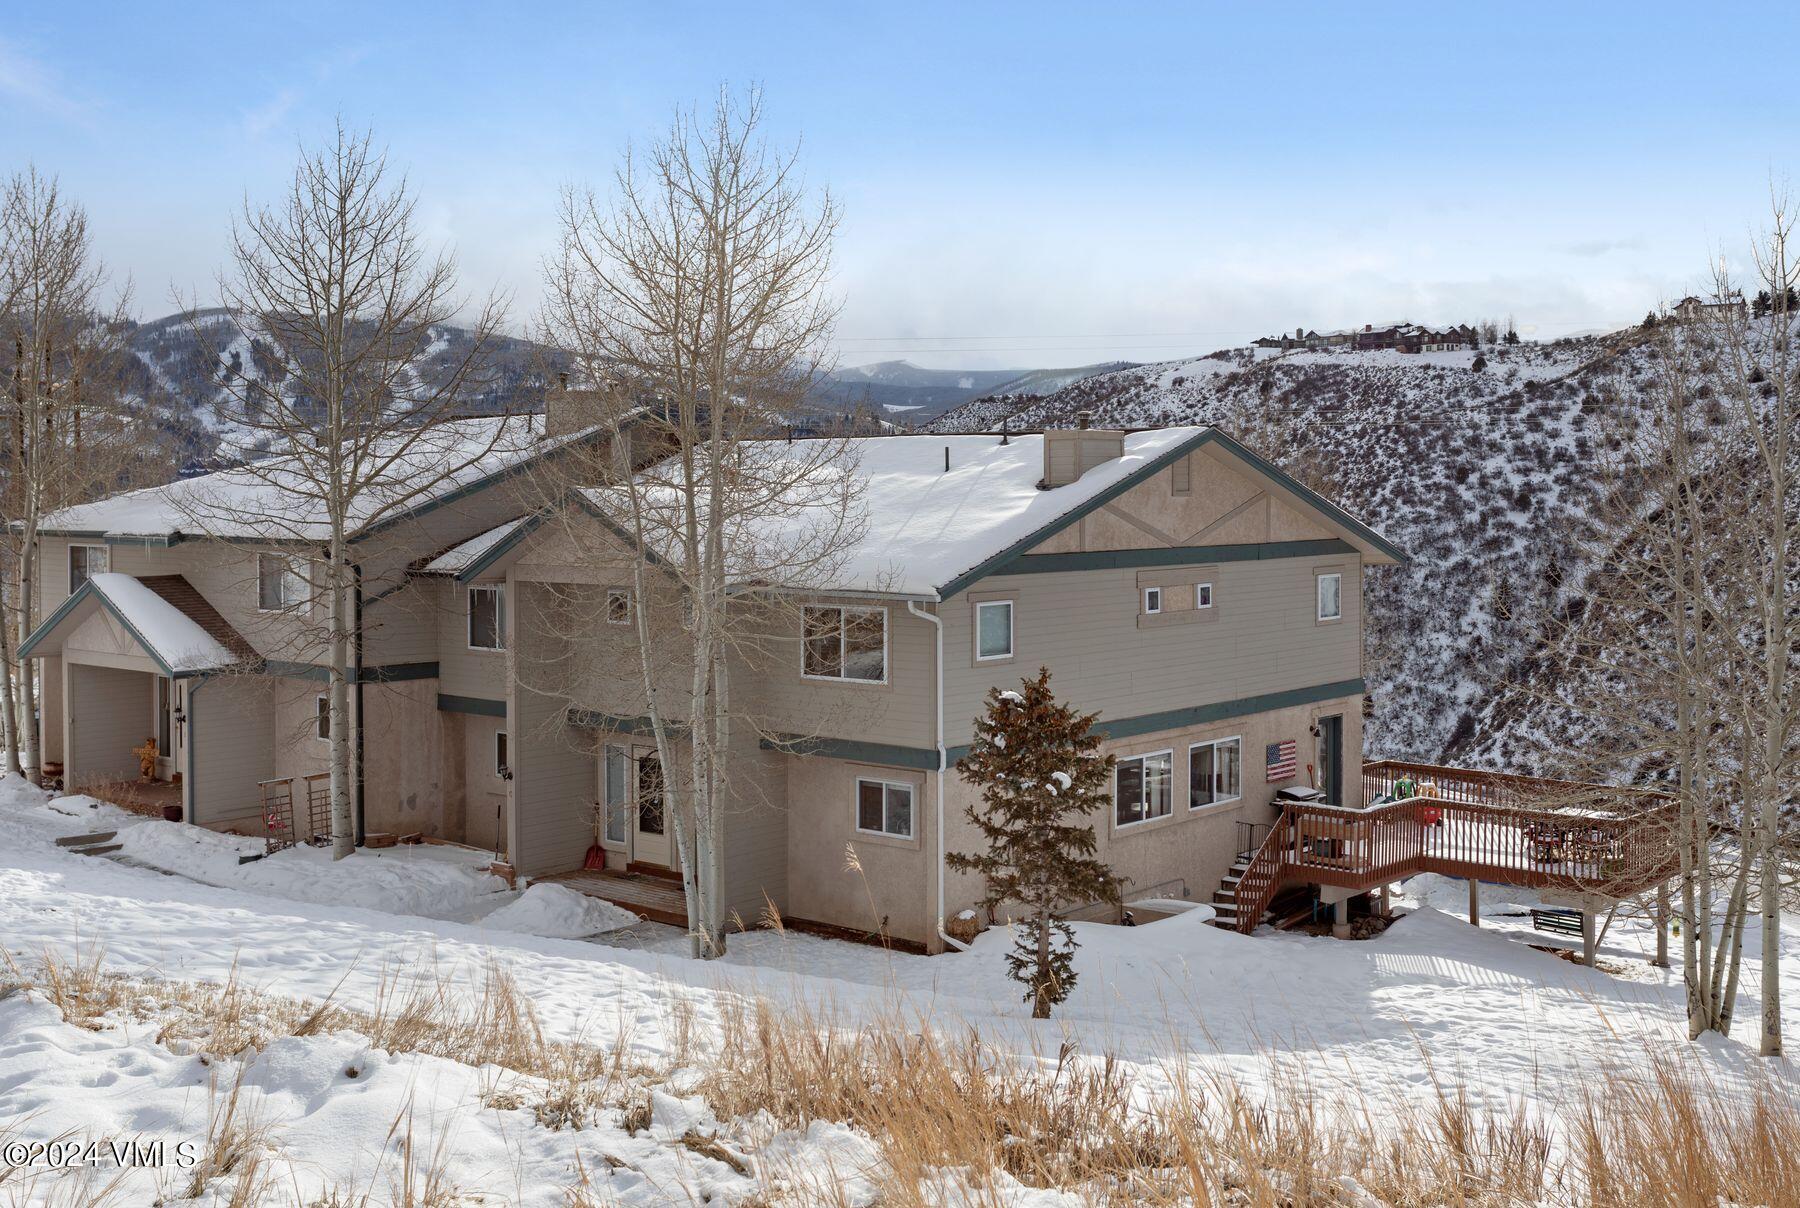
pixel 937 623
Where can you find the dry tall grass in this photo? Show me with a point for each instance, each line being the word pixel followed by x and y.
pixel 943 1106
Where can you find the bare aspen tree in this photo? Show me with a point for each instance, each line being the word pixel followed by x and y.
pixel 343 299
pixel 694 302
pixel 70 436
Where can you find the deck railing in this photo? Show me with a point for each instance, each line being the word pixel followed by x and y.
pixel 1593 839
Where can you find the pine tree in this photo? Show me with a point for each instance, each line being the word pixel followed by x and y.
pixel 1040 772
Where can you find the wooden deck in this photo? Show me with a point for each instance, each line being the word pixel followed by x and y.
pixel 658 899
pixel 1514 830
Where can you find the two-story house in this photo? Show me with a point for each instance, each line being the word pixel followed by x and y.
pixel 186 614
pixel 1206 605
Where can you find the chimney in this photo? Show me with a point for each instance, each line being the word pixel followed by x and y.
pixel 1070 453
pixel 570 410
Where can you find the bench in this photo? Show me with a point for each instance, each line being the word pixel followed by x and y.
pixel 1565 922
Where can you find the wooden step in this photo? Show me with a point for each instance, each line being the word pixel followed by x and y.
pixel 101 850
pixel 85 840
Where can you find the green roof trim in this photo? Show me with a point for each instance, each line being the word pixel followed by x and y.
pixel 1225 710
pixel 390 673
pixel 501 548
pixel 853 751
pixel 999 563
pixel 477 705
pixel 1175 555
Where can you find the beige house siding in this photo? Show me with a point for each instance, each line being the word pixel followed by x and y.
pixel 1084 625
pixel 469 754
pixel 895 883
pixel 231 736
pixel 115 715
pixel 555 776
pixel 463 670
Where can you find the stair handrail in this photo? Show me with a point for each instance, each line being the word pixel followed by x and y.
pixel 1262 877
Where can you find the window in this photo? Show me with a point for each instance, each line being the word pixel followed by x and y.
pixel 993 629
pixel 502 767
pixel 845 643
pixel 487 618
pixel 618 606
pixel 1152 600
pixel 1144 788
pixel 1331 597
pixel 1203 595
pixel 86 561
pixel 884 807
pixel 617 792
pixel 322 722
pixel 279 582
pixel 1179 477
pixel 1214 772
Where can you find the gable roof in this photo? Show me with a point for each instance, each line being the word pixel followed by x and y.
pixel 245 505
pixel 929 532
pixel 470 558
pixel 169 620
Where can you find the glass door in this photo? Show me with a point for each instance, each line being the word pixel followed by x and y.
pixel 650 837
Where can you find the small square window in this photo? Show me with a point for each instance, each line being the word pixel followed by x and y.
pixel 994 629
pixel 86 561
pixel 884 807
pixel 322 723
pixel 502 764
pixel 1203 595
pixel 280 583
pixel 1331 597
pixel 1152 600
pixel 618 606
pixel 487 618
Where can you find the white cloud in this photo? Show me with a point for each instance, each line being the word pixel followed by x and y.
pixel 32 81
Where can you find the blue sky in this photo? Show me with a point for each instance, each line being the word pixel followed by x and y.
pixel 1022 185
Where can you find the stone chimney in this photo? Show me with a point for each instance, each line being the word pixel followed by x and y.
pixel 1070 453
pixel 568 409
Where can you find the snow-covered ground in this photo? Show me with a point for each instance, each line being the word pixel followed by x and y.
pixel 1431 1001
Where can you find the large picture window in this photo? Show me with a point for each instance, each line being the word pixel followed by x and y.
pixel 845 644
pixel 280 584
pixel 1144 788
pixel 884 807
pixel 86 561
pixel 487 618
pixel 1215 772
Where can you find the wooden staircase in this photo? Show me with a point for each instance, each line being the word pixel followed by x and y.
pixel 1225 897
pixel 98 844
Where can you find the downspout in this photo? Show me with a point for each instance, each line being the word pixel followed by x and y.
pixel 937 788
pixel 191 726
pixel 356 669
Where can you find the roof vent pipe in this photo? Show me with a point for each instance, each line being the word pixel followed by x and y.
pixel 1083 418
pixel 1004 439
pixel 946 459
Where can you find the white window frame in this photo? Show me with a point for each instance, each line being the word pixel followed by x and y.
pixel 1140 757
pixel 105 556
pixel 289 575
pixel 502 754
pixel 1215 743
pixel 1319 595
pixel 912 814
pixel 322 717
pixel 994 658
pixel 618 593
pixel 1149 609
pixel 840 678
pixel 499 591
pixel 1203 589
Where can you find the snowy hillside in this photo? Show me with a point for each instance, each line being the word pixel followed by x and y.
pixel 1475 472
pixel 180 366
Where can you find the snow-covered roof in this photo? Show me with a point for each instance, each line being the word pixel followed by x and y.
pixel 458 558
pixel 916 528
pixel 276 503
pixel 168 635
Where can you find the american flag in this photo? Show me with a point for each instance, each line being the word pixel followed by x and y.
pixel 1281 760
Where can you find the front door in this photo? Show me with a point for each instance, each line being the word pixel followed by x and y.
pixel 1331 758
pixel 170 723
pixel 650 823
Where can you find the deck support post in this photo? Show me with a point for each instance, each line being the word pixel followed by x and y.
pixel 1661 959
pixel 1590 945
pixel 1474 902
